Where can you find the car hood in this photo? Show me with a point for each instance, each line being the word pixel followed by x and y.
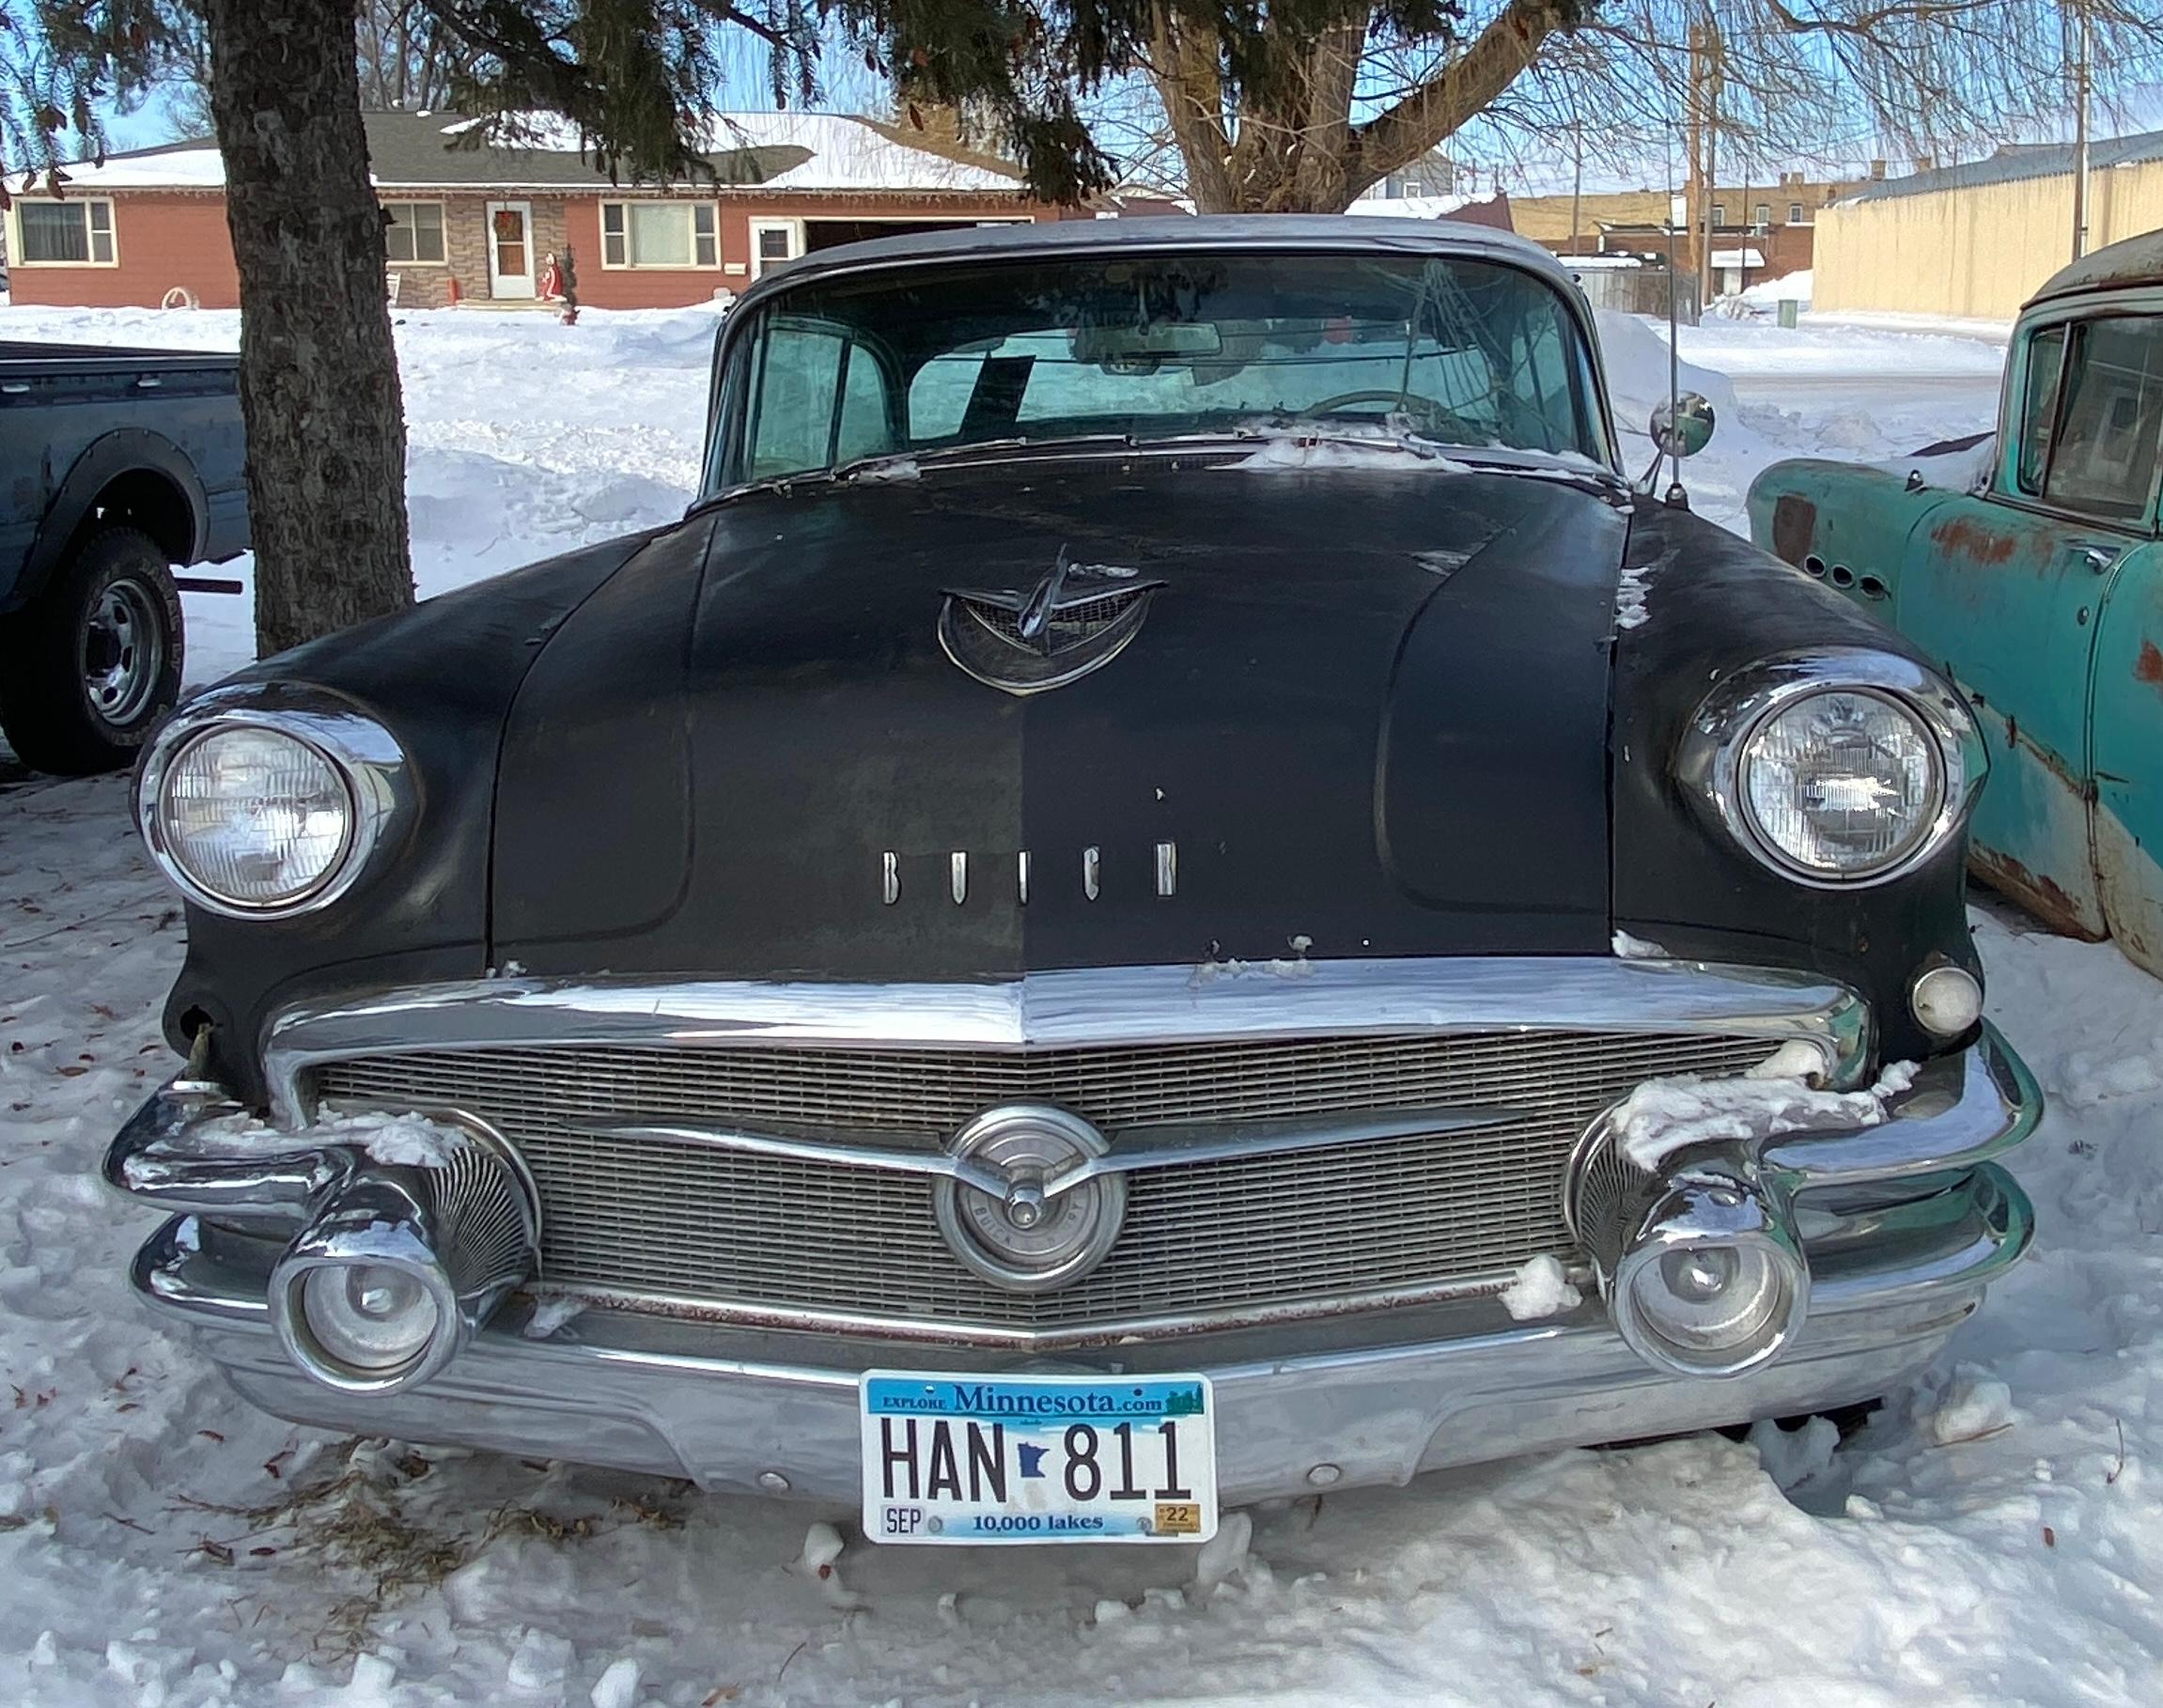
pixel 1365 713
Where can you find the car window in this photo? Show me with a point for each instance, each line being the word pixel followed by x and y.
pixel 2093 438
pixel 1457 349
pixel 2045 363
pixel 820 398
pixel 864 429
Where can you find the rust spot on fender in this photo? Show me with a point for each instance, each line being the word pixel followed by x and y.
pixel 1961 537
pixel 1793 525
pixel 2041 896
pixel 2148 667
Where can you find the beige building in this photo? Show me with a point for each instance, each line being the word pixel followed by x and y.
pixel 1977 241
pixel 1767 228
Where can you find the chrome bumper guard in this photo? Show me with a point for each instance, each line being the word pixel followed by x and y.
pixel 1902 1226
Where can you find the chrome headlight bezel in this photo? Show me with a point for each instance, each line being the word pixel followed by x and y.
pixel 1709 761
pixel 359 751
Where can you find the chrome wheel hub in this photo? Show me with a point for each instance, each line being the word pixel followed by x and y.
pixel 123 652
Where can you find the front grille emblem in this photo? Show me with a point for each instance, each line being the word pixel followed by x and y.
pixel 1077 619
pixel 1024 1209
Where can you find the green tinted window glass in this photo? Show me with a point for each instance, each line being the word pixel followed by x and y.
pixel 2045 362
pixel 2103 462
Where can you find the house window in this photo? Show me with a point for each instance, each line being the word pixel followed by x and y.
pixel 413 231
pixel 774 241
pixel 1795 213
pixel 1719 213
pixel 659 234
pixel 71 233
pixel 1764 216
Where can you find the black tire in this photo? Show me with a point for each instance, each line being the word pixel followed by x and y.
pixel 90 666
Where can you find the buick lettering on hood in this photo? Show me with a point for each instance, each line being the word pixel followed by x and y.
pixel 1171 890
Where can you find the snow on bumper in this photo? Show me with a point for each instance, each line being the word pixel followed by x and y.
pixel 1899 1227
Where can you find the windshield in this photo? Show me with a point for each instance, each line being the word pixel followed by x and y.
pixel 914 360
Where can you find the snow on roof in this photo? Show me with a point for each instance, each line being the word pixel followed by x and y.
pixel 1417 206
pixel 195 167
pixel 818 152
pixel 850 153
pixel 1737 257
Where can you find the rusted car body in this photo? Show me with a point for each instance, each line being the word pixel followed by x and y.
pixel 2039 588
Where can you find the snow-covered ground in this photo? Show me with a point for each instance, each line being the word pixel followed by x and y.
pixel 1994 1536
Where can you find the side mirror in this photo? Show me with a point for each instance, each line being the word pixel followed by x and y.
pixel 1683 427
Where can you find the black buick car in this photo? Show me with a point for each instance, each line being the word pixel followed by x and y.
pixel 1171 889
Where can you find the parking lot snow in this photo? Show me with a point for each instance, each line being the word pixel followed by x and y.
pixel 1993 1535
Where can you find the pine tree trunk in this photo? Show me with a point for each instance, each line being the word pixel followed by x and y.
pixel 319 374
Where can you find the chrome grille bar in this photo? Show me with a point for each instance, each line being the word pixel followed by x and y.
pixel 782 1238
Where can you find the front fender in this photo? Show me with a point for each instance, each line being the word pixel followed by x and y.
pixel 1843 524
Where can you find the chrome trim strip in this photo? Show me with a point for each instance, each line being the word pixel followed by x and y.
pixel 1127 1331
pixel 1171 1004
pixel 1091 865
pixel 1380 1395
pixel 1022 875
pixel 958 868
pixel 1959 1113
pixel 1135 1148
pixel 1167 867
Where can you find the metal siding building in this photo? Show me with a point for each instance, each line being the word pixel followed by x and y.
pixel 1978 240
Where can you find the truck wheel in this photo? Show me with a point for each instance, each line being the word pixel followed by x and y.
pixel 90 667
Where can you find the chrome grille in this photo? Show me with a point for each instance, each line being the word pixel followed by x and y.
pixel 767 1235
pixel 1066 626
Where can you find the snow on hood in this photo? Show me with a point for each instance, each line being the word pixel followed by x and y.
pixel 1336 448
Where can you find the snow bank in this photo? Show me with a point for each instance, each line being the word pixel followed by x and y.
pixel 525 437
pixel 1789 287
pixel 1994 1535
pixel 1635 352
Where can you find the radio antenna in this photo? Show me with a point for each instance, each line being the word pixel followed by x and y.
pixel 1674 493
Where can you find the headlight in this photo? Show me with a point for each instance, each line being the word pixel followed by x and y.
pixel 264 800
pixel 1836 767
pixel 253 817
pixel 1841 785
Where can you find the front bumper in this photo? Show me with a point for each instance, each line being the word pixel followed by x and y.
pixel 1904 1224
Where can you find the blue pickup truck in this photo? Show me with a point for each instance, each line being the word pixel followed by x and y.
pixel 115 467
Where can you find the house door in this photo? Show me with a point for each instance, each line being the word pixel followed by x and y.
pixel 510 249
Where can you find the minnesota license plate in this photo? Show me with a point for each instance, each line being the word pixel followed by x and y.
pixel 963 1458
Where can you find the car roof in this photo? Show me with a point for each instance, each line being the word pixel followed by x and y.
pixel 2134 261
pixel 1171 234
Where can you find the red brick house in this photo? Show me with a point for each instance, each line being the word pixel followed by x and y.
pixel 150 224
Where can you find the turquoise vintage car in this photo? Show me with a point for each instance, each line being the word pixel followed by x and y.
pixel 2033 574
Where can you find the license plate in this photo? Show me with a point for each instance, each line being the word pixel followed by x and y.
pixel 982 1459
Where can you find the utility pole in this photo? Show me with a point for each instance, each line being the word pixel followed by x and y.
pixel 1703 144
pixel 1578 176
pixel 2080 130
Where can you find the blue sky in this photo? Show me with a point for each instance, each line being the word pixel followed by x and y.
pixel 851 88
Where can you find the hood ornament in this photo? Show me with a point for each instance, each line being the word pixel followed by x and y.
pixel 1077 619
